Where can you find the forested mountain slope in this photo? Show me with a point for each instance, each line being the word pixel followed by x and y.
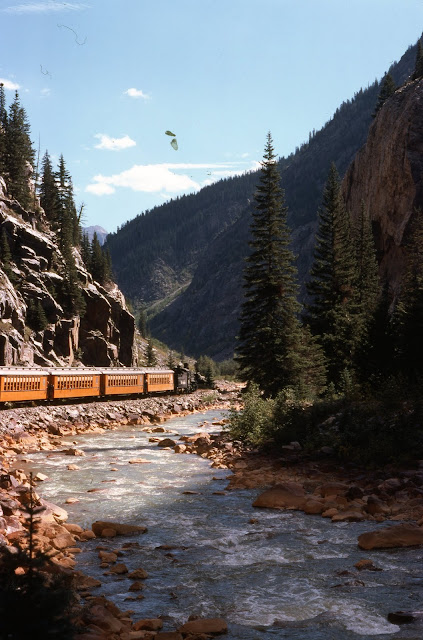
pixel 189 253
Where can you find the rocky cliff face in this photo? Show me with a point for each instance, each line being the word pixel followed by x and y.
pixel 103 336
pixel 387 175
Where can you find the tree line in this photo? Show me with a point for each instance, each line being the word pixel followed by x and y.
pixel 53 188
pixel 352 344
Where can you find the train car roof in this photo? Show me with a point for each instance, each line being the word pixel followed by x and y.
pixel 72 371
pixel 22 371
pixel 113 370
pixel 154 370
pixel 27 371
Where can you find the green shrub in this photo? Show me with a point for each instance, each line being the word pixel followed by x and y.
pixel 254 424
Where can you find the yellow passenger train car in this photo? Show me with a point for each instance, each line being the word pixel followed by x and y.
pixel 158 380
pixel 19 384
pixel 123 380
pixel 73 382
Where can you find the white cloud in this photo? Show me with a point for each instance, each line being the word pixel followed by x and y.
pixel 8 84
pixel 44 7
pixel 162 179
pixel 148 178
pixel 114 144
pixel 100 189
pixel 45 92
pixel 136 93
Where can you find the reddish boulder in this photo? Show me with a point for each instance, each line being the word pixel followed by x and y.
pixel 401 535
pixel 210 626
pixel 289 495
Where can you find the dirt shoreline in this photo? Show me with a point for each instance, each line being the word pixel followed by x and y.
pixel 292 480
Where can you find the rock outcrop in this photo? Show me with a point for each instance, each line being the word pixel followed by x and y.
pixel 387 175
pixel 104 335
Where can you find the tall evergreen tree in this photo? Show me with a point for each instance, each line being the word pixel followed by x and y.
pixel 171 359
pixel 150 354
pixel 368 289
pixel 97 265
pixel 49 195
pixel 269 329
pixel 409 310
pixel 377 358
pixel 418 69
pixel 5 255
pixel 332 312
pixel 86 250
pixel 19 153
pixel 66 211
pixel 142 324
pixel 387 90
pixel 3 128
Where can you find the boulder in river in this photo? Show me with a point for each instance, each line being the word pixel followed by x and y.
pixel 405 617
pixel 289 495
pixel 166 442
pixel 209 626
pixel 400 535
pixel 121 529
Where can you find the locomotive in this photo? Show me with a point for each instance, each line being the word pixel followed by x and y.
pixel 20 384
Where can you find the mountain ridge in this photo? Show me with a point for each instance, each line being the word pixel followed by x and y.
pixel 203 319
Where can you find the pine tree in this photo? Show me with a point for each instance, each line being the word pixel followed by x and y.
pixel 151 356
pixel 377 359
pixel 142 324
pixel 418 69
pixel 5 255
pixel 98 261
pixel 35 316
pixel 409 310
pixel 387 90
pixel 332 313
pixel 3 128
pixel 171 360
pixel 210 378
pixel 368 285
pixel 19 153
pixel 108 269
pixel 368 289
pixel 66 211
pixel 86 250
pixel 49 195
pixel 269 328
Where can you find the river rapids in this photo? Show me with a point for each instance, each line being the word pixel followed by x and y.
pixel 270 574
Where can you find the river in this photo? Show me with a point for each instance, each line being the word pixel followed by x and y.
pixel 270 574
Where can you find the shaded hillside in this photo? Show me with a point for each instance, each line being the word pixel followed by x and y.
pixel 201 240
pixel 157 252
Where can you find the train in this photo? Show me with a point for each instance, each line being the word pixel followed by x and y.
pixel 26 384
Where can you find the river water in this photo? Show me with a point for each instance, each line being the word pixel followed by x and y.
pixel 270 574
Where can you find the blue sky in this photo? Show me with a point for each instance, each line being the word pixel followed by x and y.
pixel 102 80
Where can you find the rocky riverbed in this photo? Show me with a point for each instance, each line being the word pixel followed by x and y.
pixel 291 481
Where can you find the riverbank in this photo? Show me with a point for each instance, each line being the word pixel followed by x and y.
pixel 316 485
pixel 299 481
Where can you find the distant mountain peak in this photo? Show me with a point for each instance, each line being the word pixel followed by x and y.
pixel 101 233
